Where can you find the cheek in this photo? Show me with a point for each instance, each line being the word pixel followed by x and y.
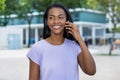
pixel 63 24
pixel 49 23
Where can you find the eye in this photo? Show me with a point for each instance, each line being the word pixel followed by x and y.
pixel 61 17
pixel 50 17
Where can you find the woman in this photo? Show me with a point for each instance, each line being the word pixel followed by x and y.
pixel 57 56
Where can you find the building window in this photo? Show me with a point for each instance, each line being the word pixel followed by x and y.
pixel 99 32
pixel 87 31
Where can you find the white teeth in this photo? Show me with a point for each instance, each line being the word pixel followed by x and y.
pixel 56 27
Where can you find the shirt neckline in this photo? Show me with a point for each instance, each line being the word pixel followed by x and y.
pixel 53 44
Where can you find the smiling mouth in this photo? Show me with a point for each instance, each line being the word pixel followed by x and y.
pixel 56 27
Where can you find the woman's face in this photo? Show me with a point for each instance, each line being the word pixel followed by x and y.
pixel 56 20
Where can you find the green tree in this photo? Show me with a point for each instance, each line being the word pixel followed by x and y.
pixel 8 10
pixel 2 4
pixel 117 30
pixel 112 8
pixel 108 30
pixel 25 11
pixel 40 5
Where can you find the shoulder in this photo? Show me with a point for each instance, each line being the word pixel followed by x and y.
pixel 37 48
pixel 73 42
pixel 38 45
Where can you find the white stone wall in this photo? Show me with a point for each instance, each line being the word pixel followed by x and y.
pixel 4 31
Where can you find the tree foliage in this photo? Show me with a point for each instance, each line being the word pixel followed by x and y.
pixel 112 8
pixel 2 4
pixel 117 30
pixel 26 10
pixel 8 10
pixel 40 5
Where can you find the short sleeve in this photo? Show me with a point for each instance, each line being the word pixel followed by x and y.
pixel 34 54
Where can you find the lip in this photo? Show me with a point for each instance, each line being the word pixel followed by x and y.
pixel 56 27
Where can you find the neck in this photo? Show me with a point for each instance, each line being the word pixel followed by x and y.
pixel 55 40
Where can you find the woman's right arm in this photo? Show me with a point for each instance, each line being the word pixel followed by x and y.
pixel 34 71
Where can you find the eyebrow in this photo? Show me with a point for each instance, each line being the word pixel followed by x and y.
pixel 57 15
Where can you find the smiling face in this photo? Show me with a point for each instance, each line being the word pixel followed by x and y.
pixel 56 20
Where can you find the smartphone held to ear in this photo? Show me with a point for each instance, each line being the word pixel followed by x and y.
pixel 66 29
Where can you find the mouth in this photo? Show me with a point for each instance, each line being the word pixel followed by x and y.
pixel 56 27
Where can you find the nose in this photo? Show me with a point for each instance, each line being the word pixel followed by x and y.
pixel 56 21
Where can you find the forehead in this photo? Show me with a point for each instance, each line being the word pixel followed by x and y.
pixel 56 11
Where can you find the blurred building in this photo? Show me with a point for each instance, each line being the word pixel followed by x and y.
pixel 91 24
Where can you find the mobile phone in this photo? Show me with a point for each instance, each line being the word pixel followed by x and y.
pixel 66 30
pixel 68 35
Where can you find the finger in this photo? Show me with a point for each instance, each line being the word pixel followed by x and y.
pixel 67 22
pixel 70 32
pixel 70 29
pixel 72 25
pixel 67 25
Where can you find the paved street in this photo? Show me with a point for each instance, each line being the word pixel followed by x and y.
pixel 14 64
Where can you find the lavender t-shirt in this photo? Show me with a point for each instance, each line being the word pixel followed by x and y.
pixel 57 62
